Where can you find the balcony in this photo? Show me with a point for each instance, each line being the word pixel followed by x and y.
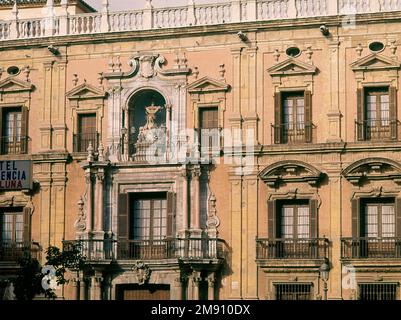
pixel 190 249
pixel 377 130
pixel 287 249
pixel 292 133
pixel 13 251
pixel 13 145
pixel 371 248
pixel 83 140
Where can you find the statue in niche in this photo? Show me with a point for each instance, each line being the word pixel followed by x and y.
pixel 149 134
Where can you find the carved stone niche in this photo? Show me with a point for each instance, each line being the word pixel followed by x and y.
pixel 372 169
pixel 284 172
pixel 293 73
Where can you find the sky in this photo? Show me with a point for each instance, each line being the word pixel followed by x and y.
pixel 139 4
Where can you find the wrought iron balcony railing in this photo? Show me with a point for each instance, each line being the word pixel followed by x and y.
pixel 83 140
pixel 14 145
pixel 371 248
pixel 310 249
pixel 377 130
pixel 13 251
pixel 292 133
pixel 190 248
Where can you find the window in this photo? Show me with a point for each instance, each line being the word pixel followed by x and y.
pixel 295 221
pixel 149 218
pixel 145 225
pixel 379 220
pixel 376 115
pixel 12 226
pixel 210 132
pixel 14 128
pixel 378 291
pixel 291 291
pixel 293 119
pixel 87 133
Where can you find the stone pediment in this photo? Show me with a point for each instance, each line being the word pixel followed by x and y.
pixel 290 172
pixel 292 67
pixel 12 84
pixel 373 169
pixel 375 62
pixel 207 84
pixel 85 92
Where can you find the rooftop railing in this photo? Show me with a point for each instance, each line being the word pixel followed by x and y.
pixel 193 14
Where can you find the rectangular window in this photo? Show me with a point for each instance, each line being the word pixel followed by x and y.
pixel 295 221
pixel 378 291
pixel 289 291
pixel 378 219
pixel 87 133
pixel 293 117
pixel 209 129
pixel 13 128
pixel 149 217
pixel 377 114
pixel 12 226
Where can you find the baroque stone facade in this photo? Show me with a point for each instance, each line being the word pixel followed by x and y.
pixel 302 174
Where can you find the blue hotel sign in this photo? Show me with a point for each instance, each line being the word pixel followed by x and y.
pixel 15 175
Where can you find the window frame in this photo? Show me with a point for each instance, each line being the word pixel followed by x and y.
pixel 379 204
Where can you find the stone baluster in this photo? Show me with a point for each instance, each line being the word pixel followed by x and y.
pixel 252 10
pixel 14 33
pixel 148 15
pixel 191 19
pixel 105 22
pixel 64 18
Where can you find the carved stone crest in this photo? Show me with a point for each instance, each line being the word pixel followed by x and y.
pixel 142 272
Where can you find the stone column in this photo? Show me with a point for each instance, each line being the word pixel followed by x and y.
pixel 89 200
pixel 75 285
pixel 105 24
pixel 64 17
pixel 82 288
pixel 195 199
pixel 96 287
pixel 99 201
pixel 184 176
pixel 177 292
pixel 14 34
pixel 334 114
pixel 196 279
pixel 148 15
pixel 333 170
pixel 235 236
pixel 249 234
pixel 211 280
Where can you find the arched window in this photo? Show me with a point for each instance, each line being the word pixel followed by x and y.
pixel 147 125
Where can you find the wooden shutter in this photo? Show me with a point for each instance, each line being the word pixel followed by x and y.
pixel 308 116
pixel 398 216
pixel 360 131
pixel 271 220
pixel 278 118
pixel 24 130
pixel 313 204
pixel 123 218
pixel 356 213
pixel 27 225
pixel 393 112
pixel 171 208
